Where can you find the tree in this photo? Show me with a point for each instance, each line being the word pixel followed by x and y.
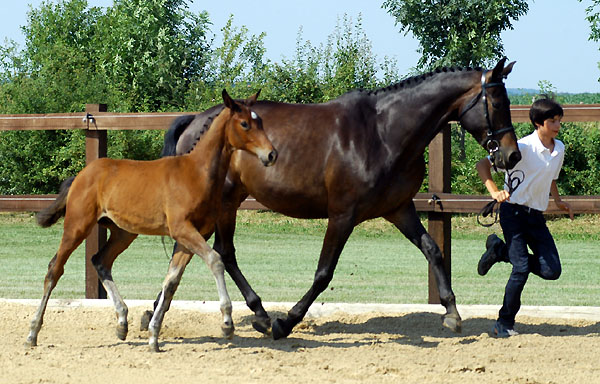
pixel 150 51
pixel 456 32
pixel 593 17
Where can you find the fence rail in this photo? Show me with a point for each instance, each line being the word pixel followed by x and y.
pixel 424 202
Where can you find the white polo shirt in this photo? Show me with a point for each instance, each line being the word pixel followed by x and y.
pixel 540 167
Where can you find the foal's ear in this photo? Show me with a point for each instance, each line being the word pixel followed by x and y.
pixel 229 102
pixel 252 99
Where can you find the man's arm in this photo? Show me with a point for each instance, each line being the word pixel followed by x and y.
pixel 484 169
pixel 558 201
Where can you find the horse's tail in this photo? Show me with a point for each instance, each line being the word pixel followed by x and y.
pixel 57 209
pixel 172 136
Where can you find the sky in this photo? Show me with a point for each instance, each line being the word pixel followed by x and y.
pixel 549 44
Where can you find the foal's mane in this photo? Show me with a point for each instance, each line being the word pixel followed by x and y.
pixel 417 79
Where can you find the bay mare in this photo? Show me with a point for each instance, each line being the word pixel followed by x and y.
pixel 356 158
pixel 175 196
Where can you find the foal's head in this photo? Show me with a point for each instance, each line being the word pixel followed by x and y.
pixel 485 113
pixel 245 130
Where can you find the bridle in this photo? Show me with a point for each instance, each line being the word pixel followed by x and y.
pixel 490 142
pixel 492 146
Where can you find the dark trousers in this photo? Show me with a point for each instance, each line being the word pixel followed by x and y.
pixel 523 227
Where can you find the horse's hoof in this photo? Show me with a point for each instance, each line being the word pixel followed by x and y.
pixel 262 325
pixel 122 331
pixel 279 330
pixel 145 320
pixel 227 331
pixel 452 323
pixel 154 348
pixel 30 343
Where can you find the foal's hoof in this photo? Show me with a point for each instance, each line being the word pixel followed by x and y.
pixel 262 325
pixel 145 320
pixel 227 331
pixel 280 330
pixel 452 323
pixel 122 330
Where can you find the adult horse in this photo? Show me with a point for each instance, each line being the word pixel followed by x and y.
pixel 356 158
pixel 175 196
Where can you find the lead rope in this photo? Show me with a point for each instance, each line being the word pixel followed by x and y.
pixel 513 180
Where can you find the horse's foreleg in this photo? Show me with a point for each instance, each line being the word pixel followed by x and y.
pixel 103 261
pixel 224 246
pixel 407 221
pixel 216 266
pixel 177 266
pixel 338 231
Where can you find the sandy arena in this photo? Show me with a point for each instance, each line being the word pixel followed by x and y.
pixel 392 344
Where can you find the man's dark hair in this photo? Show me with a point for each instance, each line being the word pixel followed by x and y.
pixel 543 109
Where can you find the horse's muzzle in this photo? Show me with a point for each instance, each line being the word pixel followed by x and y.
pixel 507 159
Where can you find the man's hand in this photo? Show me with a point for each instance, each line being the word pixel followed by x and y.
pixel 500 196
pixel 565 207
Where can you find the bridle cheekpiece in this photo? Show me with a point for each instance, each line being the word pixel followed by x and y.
pixel 490 143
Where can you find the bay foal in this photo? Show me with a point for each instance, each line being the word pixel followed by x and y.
pixel 178 197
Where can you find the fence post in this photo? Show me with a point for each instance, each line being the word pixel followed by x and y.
pixel 439 223
pixel 95 148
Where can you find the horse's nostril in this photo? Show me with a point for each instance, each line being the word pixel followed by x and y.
pixel 514 158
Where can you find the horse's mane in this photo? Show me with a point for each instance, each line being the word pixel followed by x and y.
pixel 418 79
pixel 205 127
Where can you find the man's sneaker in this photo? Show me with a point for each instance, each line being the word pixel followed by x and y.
pixel 501 331
pixel 492 254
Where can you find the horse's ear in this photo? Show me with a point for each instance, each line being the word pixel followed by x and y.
pixel 229 102
pixel 252 99
pixel 497 72
pixel 507 69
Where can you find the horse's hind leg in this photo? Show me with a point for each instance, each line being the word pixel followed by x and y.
pixel 224 246
pixel 71 239
pixel 407 221
pixel 103 261
pixel 339 229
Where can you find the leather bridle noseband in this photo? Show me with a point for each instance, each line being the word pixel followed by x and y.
pixel 490 143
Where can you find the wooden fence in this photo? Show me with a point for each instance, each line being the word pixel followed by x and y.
pixel 96 121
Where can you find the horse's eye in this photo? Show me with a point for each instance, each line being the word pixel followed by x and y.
pixel 495 105
pixel 245 125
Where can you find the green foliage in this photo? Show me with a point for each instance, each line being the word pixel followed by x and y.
pixel 150 52
pixel 456 32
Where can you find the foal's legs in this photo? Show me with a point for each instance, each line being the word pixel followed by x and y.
pixel 187 235
pixel 339 229
pixel 75 231
pixel 407 221
pixel 103 261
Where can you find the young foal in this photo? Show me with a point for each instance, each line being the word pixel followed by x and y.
pixel 173 196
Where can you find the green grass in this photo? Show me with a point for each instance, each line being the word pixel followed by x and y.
pixel 279 256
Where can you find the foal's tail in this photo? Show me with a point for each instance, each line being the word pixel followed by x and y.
pixel 57 209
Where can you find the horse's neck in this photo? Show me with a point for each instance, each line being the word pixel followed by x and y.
pixel 417 113
pixel 212 151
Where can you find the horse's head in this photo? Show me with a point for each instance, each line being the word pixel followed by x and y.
pixel 485 113
pixel 245 129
